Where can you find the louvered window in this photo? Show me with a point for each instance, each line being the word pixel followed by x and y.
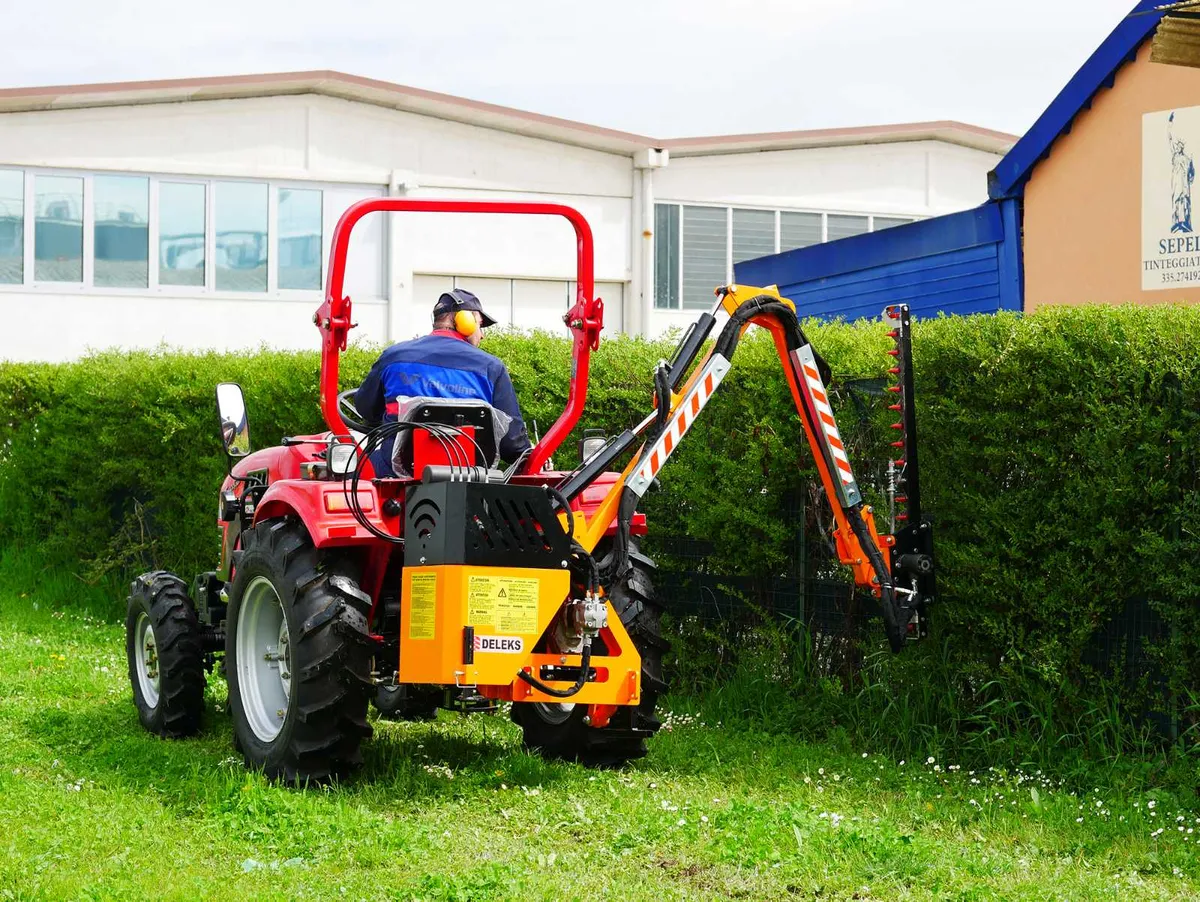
pixel 666 256
pixel 695 249
pixel 847 226
pixel 705 246
pixel 887 222
pixel 753 234
pixel 799 230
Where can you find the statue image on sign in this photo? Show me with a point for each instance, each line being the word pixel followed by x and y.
pixel 1170 245
pixel 1183 173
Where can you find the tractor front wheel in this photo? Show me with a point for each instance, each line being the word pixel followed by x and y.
pixel 298 656
pixel 166 655
pixel 558 729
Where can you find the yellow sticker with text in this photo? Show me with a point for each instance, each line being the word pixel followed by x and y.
pixel 507 604
pixel 422 608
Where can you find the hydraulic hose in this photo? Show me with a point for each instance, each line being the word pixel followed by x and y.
pixel 558 498
pixel 894 625
pixel 727 341
pixel 584 668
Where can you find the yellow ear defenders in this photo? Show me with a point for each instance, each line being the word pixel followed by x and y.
pixel 464 323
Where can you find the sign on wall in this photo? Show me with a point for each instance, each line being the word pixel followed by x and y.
pixel 1170 223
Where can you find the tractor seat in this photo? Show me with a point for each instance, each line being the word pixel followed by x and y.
pixel 477 418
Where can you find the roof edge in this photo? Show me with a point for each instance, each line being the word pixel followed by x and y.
pixel 1098 72
pixel 342 85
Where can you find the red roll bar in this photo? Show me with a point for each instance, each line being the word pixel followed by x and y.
pixel 585 319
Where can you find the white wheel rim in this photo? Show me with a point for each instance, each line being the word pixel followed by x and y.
pixel 264 659
pixel 145 650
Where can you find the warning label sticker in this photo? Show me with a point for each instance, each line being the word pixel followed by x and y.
pixel 422 608
pixel 508 604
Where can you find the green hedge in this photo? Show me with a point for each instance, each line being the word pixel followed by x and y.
pixel 1059 456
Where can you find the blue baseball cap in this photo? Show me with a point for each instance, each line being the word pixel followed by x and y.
pixel 460 299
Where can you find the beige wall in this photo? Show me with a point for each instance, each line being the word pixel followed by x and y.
pixel 1083 206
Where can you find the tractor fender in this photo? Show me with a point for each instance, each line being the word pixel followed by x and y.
pixel 590 499
pixel 323 509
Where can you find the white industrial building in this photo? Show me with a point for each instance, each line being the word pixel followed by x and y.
pixel 198 213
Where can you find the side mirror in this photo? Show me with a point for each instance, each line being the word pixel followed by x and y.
pixel 231 409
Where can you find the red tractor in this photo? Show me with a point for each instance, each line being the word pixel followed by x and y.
pixel 468 584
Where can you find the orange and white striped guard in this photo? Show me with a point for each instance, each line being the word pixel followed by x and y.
pixel 681 421
pixel 809 377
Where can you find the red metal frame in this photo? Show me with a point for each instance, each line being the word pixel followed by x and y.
pixel 585 319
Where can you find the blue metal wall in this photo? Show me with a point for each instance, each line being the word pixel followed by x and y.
pixel 964 263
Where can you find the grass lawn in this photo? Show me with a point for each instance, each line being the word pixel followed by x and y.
pixel 91 807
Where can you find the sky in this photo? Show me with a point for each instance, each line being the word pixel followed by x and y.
pixel 663 68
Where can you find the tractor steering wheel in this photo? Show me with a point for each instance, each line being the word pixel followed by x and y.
pixel 350 415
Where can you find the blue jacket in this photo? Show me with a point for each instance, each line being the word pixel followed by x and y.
pixel 440 365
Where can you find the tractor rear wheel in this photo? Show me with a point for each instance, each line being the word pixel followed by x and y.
pixel 557 730
pixel 166 655
pixel 298 656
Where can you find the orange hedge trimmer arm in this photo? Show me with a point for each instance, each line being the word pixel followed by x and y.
pixel 849 549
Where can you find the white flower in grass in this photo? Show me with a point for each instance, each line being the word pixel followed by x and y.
pixel 929 760
pixel 1151 804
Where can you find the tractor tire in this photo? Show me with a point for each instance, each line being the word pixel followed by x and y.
pixel 166 655
pixel 298 657
pixel 557 730
pixel 408 702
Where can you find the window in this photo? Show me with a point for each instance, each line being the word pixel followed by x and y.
pixel 181 234
pixel 121 231
pixel 799 230
pixel 58 229
pixel 666 255
pixel 704 254
pixel 97 231
pixel 365 271
pixel 241 226
pixel 753 234
pixel 299 242
pixel 696 247
pixel 847 226
pixel 12 227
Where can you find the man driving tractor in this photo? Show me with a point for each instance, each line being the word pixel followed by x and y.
pixel 448 364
